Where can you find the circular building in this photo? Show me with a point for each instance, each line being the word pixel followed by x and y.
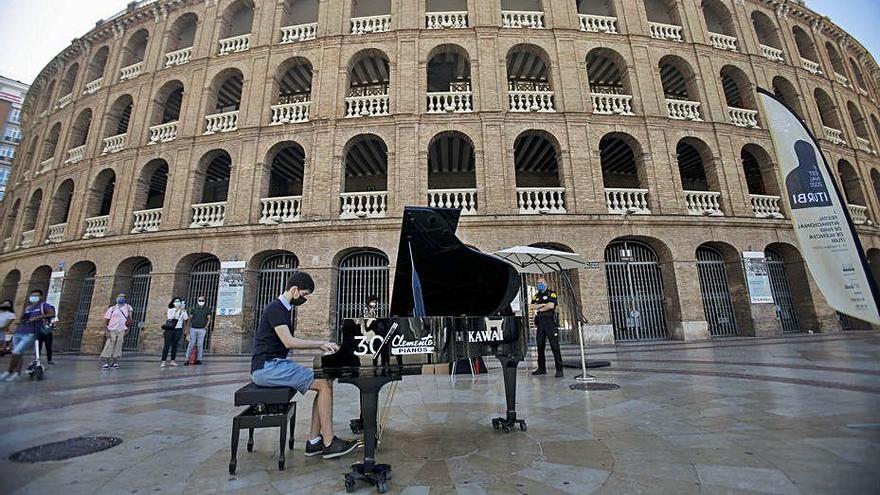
pixel 187 147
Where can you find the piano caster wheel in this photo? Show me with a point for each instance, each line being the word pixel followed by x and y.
pixel 232 468
pixel 250 447
pixel 281 465
pixel 496 423
pixel 357 426
pixel 522 426
pixel 505 428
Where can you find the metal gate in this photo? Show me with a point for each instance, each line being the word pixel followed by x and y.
pixel 361 274
pixel 81 318
pixel 848 323
pixel 273 273
pixel 715 292
pixel 779 287
pixel 138 296
pixel 635 291
pixel 203 280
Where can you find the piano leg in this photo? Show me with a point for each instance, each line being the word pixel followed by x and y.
pixel 508 423
pixel 368 470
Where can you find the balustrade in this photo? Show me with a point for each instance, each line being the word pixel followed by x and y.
pixel 56 233
pixel 627 201
pixel 450 101
pixel 163 133
pixel 96 226
pixel 463 199
pixel 178 57
pixel 662 31
pixel 146 220
pixel 367 106
pixel 221 122
pixel 280 209
pixel 299 32
pixel 131 71
pixel 75 155
pixel 446 20
pixel 290 112
pixel 363 205
pixel 93 86
pixel 703 203
pixel 611 104
pixel 683 110
pixel 531 101
pixel 522 19
pixel 743 117
pixel 766 206
pixel 722 41
pixel 598 23
pixel 534 200
pixel 371 24
pixel 770 53
pixel 113 144
pixel 208 215
pixel 235 44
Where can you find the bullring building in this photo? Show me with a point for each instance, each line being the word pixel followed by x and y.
pixel 182 134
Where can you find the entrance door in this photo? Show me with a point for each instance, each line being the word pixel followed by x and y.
pixel 785 312
pixel 361 274
pixel 635 291
pixel 81 318
pixel 138 296
pixel 273 273
pixel 203 280
pixel 715 292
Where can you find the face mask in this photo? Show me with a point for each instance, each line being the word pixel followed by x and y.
pixel 201 303
pixel 542 286
pixel 34 299
pixel 6 308
pixel 299 301
pixel 372 305
pixel 177 304
pixel 120 301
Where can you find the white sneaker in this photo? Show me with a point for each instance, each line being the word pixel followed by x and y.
pixel 105 367
pixel 13 377
pixel 5 375
pixel 162 364
pixel 173 364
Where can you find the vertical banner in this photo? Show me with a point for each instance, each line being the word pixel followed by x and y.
pixel 822 224
pixel 757 278
pixel 53 296
pixel 230 292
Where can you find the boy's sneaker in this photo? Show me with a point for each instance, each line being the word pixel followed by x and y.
pixel 5 375
pixel 174 364
pixel 338 448
pixel 115 366
pixel 314 449
pixel 13 377
pixel 162 364
pixel 105 367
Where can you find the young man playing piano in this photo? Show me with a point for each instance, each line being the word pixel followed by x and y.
pixel 271 368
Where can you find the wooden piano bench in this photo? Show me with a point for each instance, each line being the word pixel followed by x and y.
pixel 268 407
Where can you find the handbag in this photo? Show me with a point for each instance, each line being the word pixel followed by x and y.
pixel 170 324
pixel 45 328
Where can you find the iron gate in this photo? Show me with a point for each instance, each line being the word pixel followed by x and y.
pixel 81 318
pixel 715 292
pixel 564 311
pixel 138 295
pixel 635 291
pixel 848 322
pixel 204 277
pixel 361 274
pixel 273 273
pixel 781 291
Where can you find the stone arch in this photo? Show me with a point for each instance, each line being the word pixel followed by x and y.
pixel 99 198
pixel 827 109
pixel 59 212
pixel 98 64
pixel 537 159
pixel 135 48
pixel 151 185
pixel 360 273
pixel 79 133
pixel 738 89
pixel 50 144
pixel 293 81
pixel 285 170
pixel 39 280
pixel 696 165
pixel 75 304
pixel 182 33
pixel 766 30
pixel 858 121
pixel 9 289
pixel 678 79
pixel 795 312
pixel 785 91
pixel 851 183
pixel 836 61
pixel 225 91
pixel 32 212
pixel 237 19
pixel 167 103
pixel 730 317
pixel 451 161
pixel 212 177
pixel 622 161
pixel 528 68
pixel 11 218
pixel 119 116
pixel 365 164
pixel 608 72
pixel 718 18
pixel 759 170
pixel 805 45
pixel 67 84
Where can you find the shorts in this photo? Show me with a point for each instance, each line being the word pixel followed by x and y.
pixel 21 342
pixel 284 373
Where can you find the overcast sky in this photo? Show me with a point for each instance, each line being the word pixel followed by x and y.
pixel 36 30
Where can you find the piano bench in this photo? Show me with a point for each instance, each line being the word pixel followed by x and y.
pixel 267 407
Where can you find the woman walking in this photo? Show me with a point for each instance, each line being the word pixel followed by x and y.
pixel 173 328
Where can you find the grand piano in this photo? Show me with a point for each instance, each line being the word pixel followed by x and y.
pixel 449 303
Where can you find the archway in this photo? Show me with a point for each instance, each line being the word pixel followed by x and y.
pixel 360 274
pixel 635 291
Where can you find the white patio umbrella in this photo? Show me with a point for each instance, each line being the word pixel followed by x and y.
pixel 528 259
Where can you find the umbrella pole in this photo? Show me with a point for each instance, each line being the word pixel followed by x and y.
pixel 579 317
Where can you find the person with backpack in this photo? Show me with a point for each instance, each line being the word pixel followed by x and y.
pixel 35 315
pixel 7 316
pixel 173 328
pixel 118 321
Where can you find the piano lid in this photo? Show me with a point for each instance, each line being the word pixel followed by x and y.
pixel 455 280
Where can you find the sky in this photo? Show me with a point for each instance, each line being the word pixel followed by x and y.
pixel 36 30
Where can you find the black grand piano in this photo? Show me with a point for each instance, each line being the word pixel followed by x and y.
pixel 449 303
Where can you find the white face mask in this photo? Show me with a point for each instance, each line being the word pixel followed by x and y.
pixel 177 304
pixel 201 303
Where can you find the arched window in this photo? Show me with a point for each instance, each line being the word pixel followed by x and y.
pixel 166 112
pixel 608 77
pixel 785 91
pixel 679 89
pixel 768 36
pixel 31 213
pixel 299 20
pixel 852 185
pixel 224 101
pixel 59 212
pixel 370 16
pixel 529 86
pixel 740 99
pixel 836 63
pixel 236 24
pixel 449 80
pixel 368 80
pixel 79 134
pixel 116 129
pixel 536 164
pixel 697 170
pixel 133 55
pixel 807 50
pixel 98 203
pixel 452 181
pixel 365 189
pixel 722 31
pixel 664 21
pixel 282 194
pixel 292 88
pixel 760 178
pixel 181 38
pixel 95 70
pixel 50 144
pixel 828 114
pixel 67 86
pixel 623 175
pixel 150 196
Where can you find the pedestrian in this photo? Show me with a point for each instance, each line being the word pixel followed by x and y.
pixel 117 319
pixel 545 302
pixel 36 314
pixel 44 339
pixel 199 322
pixel 7 316
pixel 173 329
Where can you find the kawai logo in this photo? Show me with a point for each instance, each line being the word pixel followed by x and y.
pixel 492 333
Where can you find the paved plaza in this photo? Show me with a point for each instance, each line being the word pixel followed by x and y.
pixel 788 415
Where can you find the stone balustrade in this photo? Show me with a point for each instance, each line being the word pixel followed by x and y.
pixel 723 41
pixel 446 20
pixel 531 101
pixel 367 106
pixel 208 215
pixel 221 122
pixel 463 199
pixel 743 117
pixel 27 239
pixel 534 200
pixel 131 71
pixel 833 135
pixel 290 112
pixel 611 104
pixel 770 53
pixel 299 32
pixel 65 100
pixel 864 144
pixel 178 57
pixel 683 110
pixel 113 144
pixel 146 220
pixel 235 44
pixel 371 24
pixel 56 233
pixel 75 155
pixel 46 165
pixel 631 201
pixel 7 244
pixel 766 206
pixel 96 226
pixel 841 79
pixel 662 31
pixel 94 86
pixel 163 133
pixel 810 66
pixel 859 214
pixel 598 23
pixel 280 209
pixel 450 101
pixel 373 204
pixel 522 19
pixel 703 203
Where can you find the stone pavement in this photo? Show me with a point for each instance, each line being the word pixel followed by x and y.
pixel 788 415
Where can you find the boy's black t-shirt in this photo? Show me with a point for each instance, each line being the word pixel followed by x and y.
pixel 267 345
pixel 198 316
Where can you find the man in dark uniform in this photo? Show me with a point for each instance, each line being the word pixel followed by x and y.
pixel 545 320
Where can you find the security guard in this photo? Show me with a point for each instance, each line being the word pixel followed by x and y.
pixel 545 302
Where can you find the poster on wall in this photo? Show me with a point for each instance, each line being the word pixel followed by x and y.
pixel 819 214
pixel 757 278
pixel 53 296
pixel 230 292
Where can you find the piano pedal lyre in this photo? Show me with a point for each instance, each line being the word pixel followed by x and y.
pixel 509 423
